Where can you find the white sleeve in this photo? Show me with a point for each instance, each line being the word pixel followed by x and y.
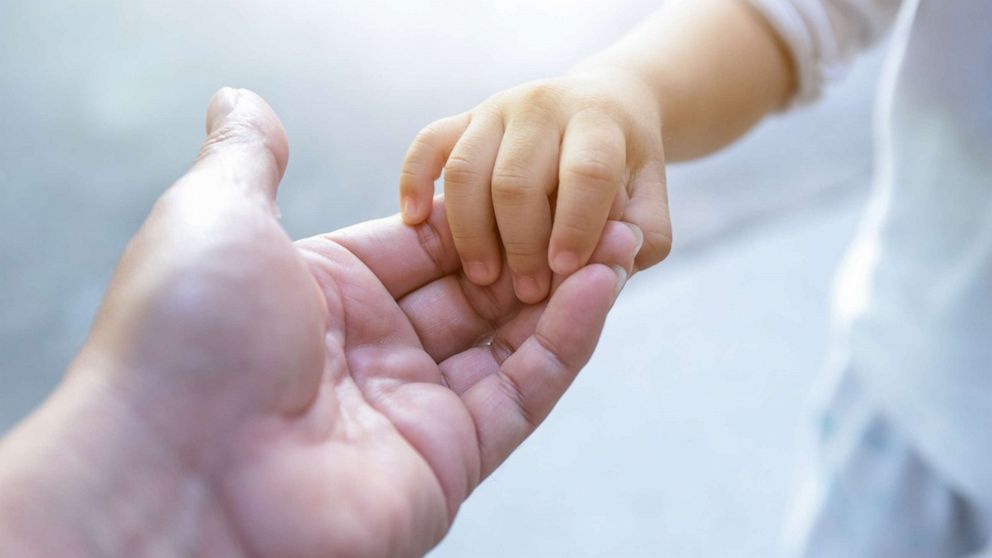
pixel 824 35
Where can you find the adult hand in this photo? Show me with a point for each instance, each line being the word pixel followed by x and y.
pixel 242 395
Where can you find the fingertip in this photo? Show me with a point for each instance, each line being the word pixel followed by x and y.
pixel 423 163
pixel 220 106
pixel 648 210
pixel 575 236
pixel 650 218
pixel 617 249
pixel 480 272
pixel 582 300
pixel 416 191
pixel 565 262
pixel 600 273
pixel 243 127
pixel 605 277
pixel 531 289
pixel 657 247
pixel 411 211
pixel 253 115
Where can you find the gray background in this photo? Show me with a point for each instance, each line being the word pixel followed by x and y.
pixel 680 437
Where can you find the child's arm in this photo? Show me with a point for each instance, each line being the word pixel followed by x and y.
pixel 593 143
pixel 715 67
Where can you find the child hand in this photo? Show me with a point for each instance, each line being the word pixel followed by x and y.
pixel 541 167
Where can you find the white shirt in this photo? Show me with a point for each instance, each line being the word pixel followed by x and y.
pixel 913 300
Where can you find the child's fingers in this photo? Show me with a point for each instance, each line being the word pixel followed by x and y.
pixel 525 174
pixel 423 163
pixel 468 202
pixel 592 168
pixel 648 209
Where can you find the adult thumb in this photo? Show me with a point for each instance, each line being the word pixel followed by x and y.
pixel 245 151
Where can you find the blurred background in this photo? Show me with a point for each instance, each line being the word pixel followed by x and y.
pixel 681 436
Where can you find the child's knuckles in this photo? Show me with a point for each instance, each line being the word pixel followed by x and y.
pixel 593 169
pixel 544 92
pixel 461 171
pixel 511 188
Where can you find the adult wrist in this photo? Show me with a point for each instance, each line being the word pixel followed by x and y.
pixel 82 477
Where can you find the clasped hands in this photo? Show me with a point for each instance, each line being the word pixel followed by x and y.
pixel 244 395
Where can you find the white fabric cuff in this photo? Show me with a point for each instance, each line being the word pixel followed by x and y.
pixel 824 35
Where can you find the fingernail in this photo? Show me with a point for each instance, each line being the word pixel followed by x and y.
pixel 478 272
pixel 638 234
pixel 565 263
pixel 410 209
pixel 223 104
pixel 528 288
pixel 621 279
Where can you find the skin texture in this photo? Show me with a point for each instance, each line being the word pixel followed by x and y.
pixel 242 395
pixel 536 172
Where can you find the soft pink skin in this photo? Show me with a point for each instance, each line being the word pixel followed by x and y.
pixel 244 395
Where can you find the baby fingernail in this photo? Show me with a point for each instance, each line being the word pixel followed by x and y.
pixel 477 271
pixel 565 263
pixel 528 288
pixel 409 207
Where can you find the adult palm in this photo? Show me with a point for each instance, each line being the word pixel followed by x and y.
pixel 337 397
